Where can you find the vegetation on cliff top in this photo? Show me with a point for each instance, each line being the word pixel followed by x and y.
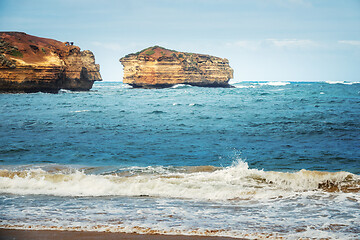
pixel 32 49
pixel 16 53
pixel 7 48
pixel 157 52
pixel 152 50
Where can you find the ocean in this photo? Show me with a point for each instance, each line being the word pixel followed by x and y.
pixel 261 160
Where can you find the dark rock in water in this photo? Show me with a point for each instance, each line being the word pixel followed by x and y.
pixel 33 64
pixel 157 67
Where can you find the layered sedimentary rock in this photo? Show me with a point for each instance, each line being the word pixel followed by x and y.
pixel 157 67
pixel 32 64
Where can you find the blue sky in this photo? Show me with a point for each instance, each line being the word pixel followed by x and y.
pixel 276 40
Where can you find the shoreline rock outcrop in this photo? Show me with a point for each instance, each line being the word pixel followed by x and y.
pixel 158 67
pixel 33 64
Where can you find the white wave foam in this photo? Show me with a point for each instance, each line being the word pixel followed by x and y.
pixel 111 85
pixel 79 111
pixel 181 86
pixel 341 82
pixel 275 83
pixel 244 86
pixel 234 182
pixel 65 91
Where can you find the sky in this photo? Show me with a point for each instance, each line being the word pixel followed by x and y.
pixel 273 40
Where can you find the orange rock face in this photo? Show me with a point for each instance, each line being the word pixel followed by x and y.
pixel 157 67
pixel 32 64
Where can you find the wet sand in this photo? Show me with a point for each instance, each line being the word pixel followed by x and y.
pixel 11 234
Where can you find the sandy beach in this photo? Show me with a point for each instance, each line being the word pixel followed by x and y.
pixel 7 234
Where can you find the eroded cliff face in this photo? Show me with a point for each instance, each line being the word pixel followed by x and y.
pixel 157 67
pixel 32 64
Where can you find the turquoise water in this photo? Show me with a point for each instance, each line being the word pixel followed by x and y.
pixel 186 160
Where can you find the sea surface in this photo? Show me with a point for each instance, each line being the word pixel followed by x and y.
pixel 261 160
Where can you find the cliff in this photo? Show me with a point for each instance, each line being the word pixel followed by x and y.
pixel 33 64
pixel 157 67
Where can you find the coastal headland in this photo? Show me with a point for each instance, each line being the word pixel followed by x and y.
pixel 158 67
pixel 34 64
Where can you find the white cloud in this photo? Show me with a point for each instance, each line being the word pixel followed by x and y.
pixel 272 42
pixel 291 43
pixel 350 42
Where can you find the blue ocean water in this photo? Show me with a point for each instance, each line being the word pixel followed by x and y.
pixel 237 159
pixel 315 126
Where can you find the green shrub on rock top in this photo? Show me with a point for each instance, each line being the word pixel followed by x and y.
pixel 7 48
pixel 15 53
pixel 150 52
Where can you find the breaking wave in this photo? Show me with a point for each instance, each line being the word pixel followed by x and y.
pixel 275 83
pixel 256 84
pixel 181 86
pixel 341 82
pixel 237 182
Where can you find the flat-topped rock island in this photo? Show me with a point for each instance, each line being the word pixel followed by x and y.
pixel 34 64
pixel 158 67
